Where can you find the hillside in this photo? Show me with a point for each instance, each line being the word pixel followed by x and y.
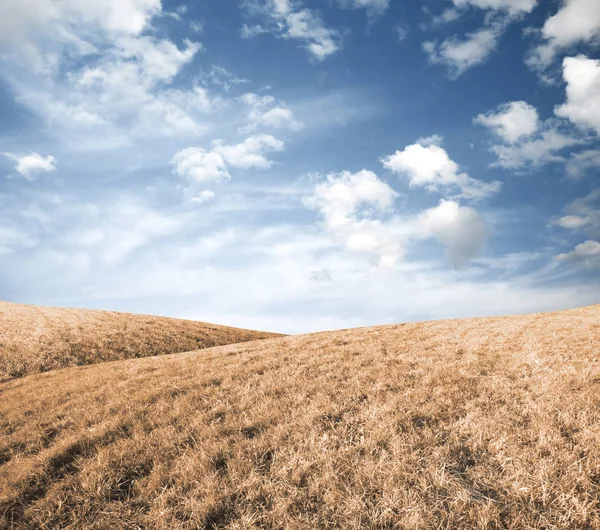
pixel 38 339
pixel 482 423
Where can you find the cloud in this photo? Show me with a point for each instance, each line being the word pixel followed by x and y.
pixel 459 55
pixel 358 213
pixel 221 77
pixel 527 142
pixel 23 20
pixel 460 229
pixel 352 205
pixel 582 107
pixel 513 7
pixel 512 121
pixel 31 165
pixel 200 166
pixel 264 111
pixel 373 7
pixel 402 32
pixel 203 196
pixel 427 164
pixel 97 73
pixel 580 163
pixel 288 20
pixel 576 21
pixel 585 254
pixel 583 214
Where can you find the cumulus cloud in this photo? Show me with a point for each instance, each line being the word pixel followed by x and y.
pixel 359 215
pixel 582 76
pixel 512 121
pixel 585 254
pixel 118 71
pixel 289 20
pixel 200 166
pixel 459 228
pixel 427 164
pixel 265 111
pixel 352 205
pixel 526 142
pixel 31 165
pixel 461 54
pixel 576 21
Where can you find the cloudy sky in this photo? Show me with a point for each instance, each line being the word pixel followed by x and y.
pixel 300 165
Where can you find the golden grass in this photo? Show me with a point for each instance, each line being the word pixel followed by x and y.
pixel 37 339
pixel 484 423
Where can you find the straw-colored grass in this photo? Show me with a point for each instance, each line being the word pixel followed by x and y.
pixel 484 423
pixel 38 339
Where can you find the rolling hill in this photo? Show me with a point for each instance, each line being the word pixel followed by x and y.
pixel 38 339
pixel 481 423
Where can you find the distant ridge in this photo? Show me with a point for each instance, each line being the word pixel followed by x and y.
pixel 35 338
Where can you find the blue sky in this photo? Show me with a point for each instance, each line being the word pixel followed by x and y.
pixel 300 165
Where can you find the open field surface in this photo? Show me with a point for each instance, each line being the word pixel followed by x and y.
pixel 483 423
pixel 37 339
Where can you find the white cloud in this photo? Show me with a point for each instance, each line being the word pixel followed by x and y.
pixel 576 21
pixel 459 55
pixel 221 77
pixel 29 166
pixel 582 107
pixel 351 205
pixel 249 32
pixel 460 229
pixel 585 254
pixel 527 142
pixel 512 121
pixel 289 20
pixel 580 163
pixel 23 20
pixel 541 150
pixel 251 152
pixel 513 7
pixel 583 214
pixel 203 196
pixel 373 7
pixel 200 166
pixel 96 72
pixel 427 164
pixel 264 111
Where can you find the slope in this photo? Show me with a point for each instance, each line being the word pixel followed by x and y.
pixel 38 339
pixel 482 423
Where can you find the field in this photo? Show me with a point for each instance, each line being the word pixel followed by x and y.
pixel 482 423
pixel 38 339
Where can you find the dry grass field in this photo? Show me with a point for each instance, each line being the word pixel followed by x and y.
pixel 484 423
pixel 37 339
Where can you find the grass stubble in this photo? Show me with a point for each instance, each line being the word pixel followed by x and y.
pixel 481 423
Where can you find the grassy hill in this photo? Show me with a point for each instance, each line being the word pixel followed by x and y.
pixel 483 423
pixel 37 339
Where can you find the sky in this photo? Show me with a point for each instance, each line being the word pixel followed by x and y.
pixel 300 165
